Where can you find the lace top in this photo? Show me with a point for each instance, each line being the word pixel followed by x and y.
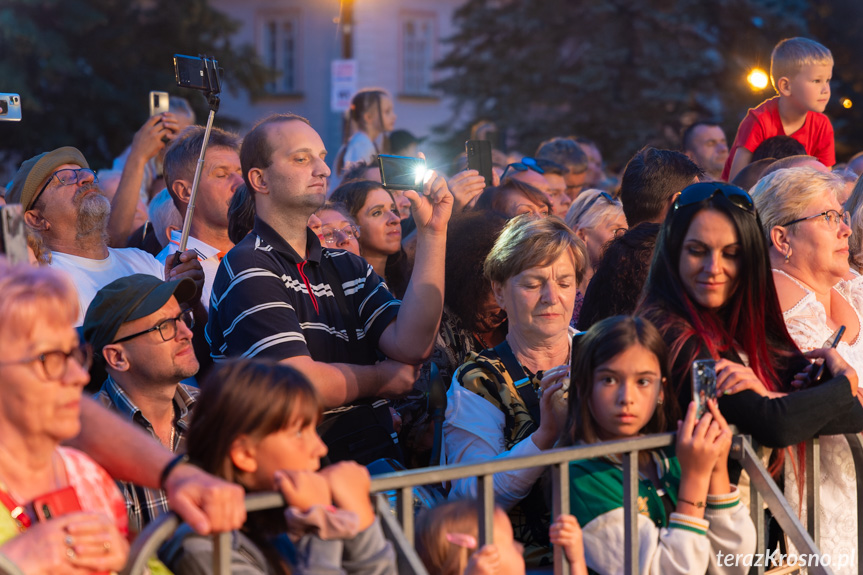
pixel 807 324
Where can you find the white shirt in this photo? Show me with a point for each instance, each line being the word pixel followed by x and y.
pixel 473 432
pixel 209 257
pixel 91 275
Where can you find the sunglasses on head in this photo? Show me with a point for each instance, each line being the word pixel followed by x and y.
pixel 701 192
pixel 524 165
pixel 604 195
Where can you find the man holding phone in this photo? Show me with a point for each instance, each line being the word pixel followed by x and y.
pixel 278 294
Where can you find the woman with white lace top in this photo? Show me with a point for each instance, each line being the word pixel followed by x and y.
pixel 807 230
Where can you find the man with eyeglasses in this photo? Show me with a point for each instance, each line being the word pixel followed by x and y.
pixel 62 201
pixel 138 326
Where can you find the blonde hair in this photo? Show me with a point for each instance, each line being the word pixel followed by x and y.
pixel 527 242
pixel 791 54
pixel 785 195
pixel 433 525
pixel 600 211
pixel 33 295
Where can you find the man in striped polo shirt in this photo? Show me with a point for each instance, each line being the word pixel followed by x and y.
pixel 278 294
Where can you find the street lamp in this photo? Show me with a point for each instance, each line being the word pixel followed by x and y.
pixel 757 79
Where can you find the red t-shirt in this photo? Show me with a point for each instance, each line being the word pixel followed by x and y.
pixel 764 122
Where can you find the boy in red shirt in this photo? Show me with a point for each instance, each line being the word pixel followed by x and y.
pixel 800 70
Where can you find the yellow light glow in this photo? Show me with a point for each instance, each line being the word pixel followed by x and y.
pixel 758 79
pixel 846 103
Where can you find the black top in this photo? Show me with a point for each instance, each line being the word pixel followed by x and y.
pixel 827 409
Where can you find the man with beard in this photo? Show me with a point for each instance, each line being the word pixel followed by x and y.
pixel 63 203
pixel 137 325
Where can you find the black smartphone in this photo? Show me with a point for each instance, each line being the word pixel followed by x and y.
pixel 402 172
pixel 13 235
pixel 198 73
pixel 479 158
pixel 818 372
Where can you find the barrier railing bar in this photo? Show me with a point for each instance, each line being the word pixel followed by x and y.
pixel 406 556
pixel 222 553
pixel 630 517
pixel 405 511
pixel 485 495
pixel 855 442
pixel 9 568
pixel 148 542
pixel 813 493
pixel 756 505
pixel 560 504
pixel 778 505
pixel 441 474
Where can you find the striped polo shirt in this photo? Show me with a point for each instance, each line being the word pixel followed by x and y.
pixel 269 302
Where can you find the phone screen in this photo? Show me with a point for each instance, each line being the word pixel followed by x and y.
pixel 401 172
pixel 703 384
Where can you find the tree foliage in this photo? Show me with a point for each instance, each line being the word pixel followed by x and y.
pixel 84 68
pixel 620 72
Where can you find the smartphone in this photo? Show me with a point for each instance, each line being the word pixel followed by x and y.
pixel 818 372
pixel 479 158
pixel 10 108
pixel 198 73
pixel 13 235
pixel 703 384
pixel 57 503
pixel 401 172
pixel 159 103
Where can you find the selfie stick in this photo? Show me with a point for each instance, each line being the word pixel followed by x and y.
pixel 213 101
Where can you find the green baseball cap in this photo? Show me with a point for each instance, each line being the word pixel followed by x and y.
pixel 33 173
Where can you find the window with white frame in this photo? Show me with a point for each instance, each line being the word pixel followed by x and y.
pixel 418 42
pixel 278 46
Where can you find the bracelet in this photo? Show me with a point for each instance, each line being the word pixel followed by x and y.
pixel 163 477
pixel 698 504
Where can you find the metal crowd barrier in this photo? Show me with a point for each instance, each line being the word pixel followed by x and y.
pixel 401 532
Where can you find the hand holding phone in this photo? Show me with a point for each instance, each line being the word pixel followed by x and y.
pixel 817 373
pixel 703 384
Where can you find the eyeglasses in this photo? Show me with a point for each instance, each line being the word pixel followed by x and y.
pixel 166 328
pixel 589 204
pixel 701 192
pixel 56 361
pixel 349 231
pixel 524 165
pixel 832 217
pixel 619 232
pixel 68 176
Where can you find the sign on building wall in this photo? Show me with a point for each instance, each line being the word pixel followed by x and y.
pixel 344 84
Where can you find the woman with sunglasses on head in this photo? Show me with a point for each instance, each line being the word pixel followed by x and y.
pixel 807 232
pixel 597 218
pixel 711 294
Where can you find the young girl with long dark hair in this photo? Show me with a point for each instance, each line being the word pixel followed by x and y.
pixel 255 424
pixel 688 511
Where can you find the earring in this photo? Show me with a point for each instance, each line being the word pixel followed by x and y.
pixel 659 401
pixel 788 255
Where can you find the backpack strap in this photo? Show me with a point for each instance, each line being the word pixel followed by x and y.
pixel 521 380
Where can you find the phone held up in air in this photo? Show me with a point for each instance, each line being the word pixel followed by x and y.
pixel 817 372
pixel 13 234
pixel 703 384
pixel 159 103
pixel 198 73
pixel 402 172
pixel 479 158
pixel 10 108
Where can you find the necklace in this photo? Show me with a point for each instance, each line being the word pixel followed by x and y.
pixel 173 437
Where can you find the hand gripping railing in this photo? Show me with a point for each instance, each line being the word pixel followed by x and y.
pixel 763 489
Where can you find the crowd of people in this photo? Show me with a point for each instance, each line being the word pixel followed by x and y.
pixel 317 319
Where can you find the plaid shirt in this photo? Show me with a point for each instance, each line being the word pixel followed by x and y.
pixel 142 503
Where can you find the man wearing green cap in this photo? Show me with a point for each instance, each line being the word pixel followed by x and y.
pixel 63 203
pixel 137 325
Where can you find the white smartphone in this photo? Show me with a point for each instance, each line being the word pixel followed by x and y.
pixel 159 102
